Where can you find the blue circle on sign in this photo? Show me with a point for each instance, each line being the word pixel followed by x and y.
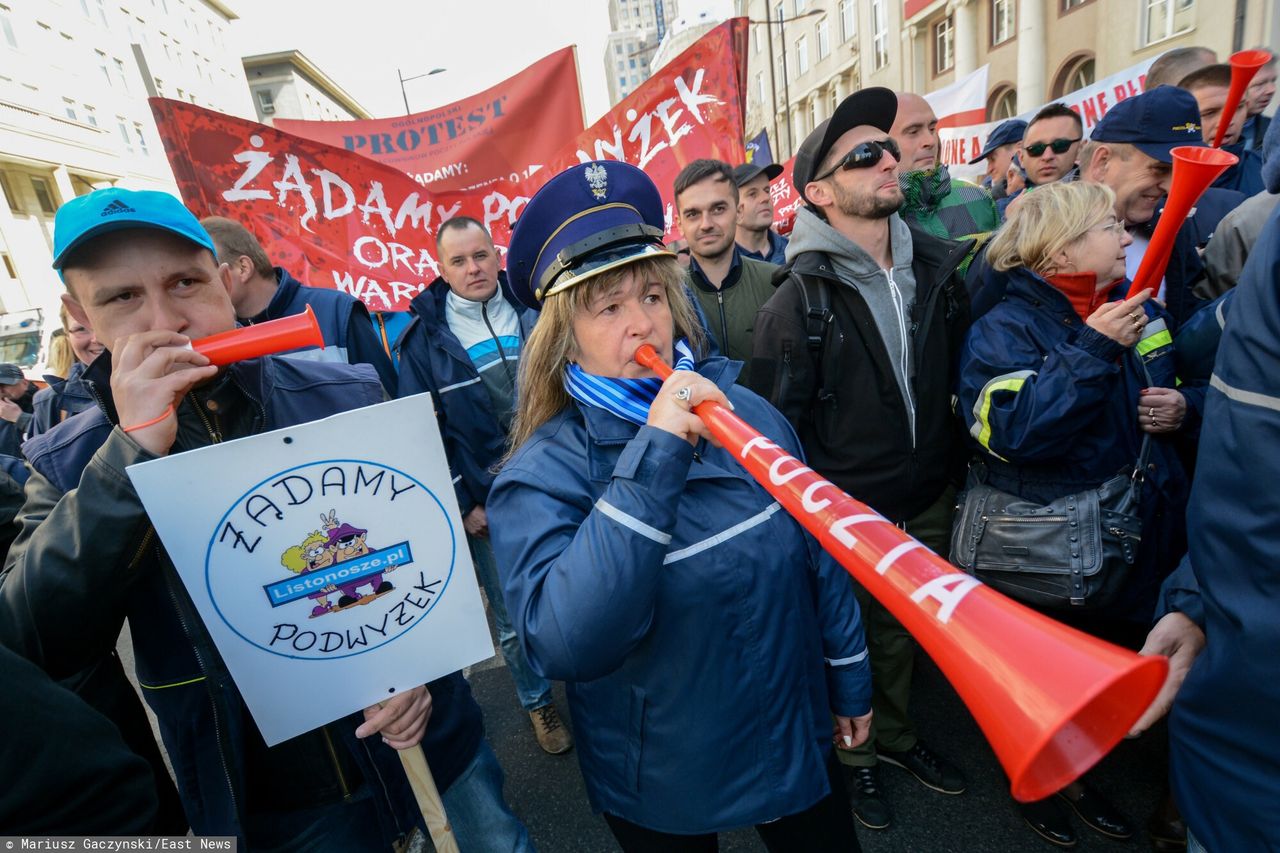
pixel 213 540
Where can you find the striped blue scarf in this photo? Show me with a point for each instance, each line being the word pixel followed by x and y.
pixel 629 399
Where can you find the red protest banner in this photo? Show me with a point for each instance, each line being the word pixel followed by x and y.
pixel 337 219
pixel 786 199
pixel 505 132
pixel 330 217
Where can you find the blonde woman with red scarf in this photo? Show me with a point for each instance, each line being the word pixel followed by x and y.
pixel 1052 387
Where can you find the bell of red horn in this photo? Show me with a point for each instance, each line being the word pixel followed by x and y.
pixel 1051 700
pixel 1194 168
pixel 1244 64
pixel 287 333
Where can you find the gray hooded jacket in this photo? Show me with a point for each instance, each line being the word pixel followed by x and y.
pixel 889 293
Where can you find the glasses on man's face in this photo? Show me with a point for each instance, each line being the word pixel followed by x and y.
pixel 864 155
pixel 1058 146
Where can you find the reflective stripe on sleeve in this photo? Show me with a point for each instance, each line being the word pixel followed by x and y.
pixel 632 523
pixel 1013 382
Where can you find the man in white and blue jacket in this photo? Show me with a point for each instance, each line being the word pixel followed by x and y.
pixel 463 346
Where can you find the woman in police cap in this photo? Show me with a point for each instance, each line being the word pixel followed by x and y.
pixel 705 639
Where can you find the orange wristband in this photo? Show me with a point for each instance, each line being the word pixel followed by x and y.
pixel 152 422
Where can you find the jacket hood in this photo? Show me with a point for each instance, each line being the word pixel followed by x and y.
pixel 812 233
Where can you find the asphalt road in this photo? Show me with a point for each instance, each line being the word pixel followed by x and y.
pixel 546 791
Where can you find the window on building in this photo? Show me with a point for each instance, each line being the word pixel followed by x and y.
pixel 84 7
pixel 103 67
pixel 124 134
pixel 756 40
pixel 1003 26
pixel 1077 73
pixel 848 19
pixel 618 50
pixel 944 45
pixel 622 81
pixel 142 139
pixel 102 13
pixel 813 112
pixel 9 194
pixel 266 101
pixel 44 194
pixel 802 55
pixel 6 27
pixel 90 116
pixel 760 90
pixel 1164 19
pixel 633 63
pixel 69 107
pixel 1002 104
pixel 824 39
pixel 879 35
pixel 800 4
pixel 777 12
pixel 121 75
pixel 1068 5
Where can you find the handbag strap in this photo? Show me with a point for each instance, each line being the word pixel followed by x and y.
pixel 1144 452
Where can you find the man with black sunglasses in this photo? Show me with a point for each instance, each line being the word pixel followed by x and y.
pixel 1051 145
pixel 939 204
pixel 856 349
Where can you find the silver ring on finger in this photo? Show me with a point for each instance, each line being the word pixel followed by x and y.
pixel 684 394
pixel 1151 413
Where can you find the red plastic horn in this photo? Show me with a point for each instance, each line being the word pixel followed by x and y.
pixel 287 333
pixel 1244 64
pixel 1051 700
pixel 1194 168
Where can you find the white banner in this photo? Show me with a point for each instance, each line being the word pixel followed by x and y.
pixel 327 561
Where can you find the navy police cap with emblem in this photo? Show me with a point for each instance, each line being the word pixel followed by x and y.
pixel 587 220
pixel 1154 122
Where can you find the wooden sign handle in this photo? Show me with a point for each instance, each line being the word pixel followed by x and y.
pixel 424 790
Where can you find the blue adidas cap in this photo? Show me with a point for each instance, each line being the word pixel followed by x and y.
pixel 590 218
pixel 1154 122
pixel 114 208
pixel 1006 132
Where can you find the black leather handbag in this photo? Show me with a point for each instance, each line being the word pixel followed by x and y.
pixel 1072 554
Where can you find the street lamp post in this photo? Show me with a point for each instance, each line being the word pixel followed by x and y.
pixel 404 79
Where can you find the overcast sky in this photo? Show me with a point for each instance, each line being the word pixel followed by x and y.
pixel 360 44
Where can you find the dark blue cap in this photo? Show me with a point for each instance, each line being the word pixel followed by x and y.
pixel 115 208
pixel 588 219
pixel 1154 122
pixel 1008 131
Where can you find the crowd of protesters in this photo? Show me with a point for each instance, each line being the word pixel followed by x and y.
pixel 915 337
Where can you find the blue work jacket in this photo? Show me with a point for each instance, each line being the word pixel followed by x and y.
pixel 1052 407
pixel 703 636
pixel 433 359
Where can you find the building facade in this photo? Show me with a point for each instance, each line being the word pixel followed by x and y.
pixel 636 27
pixel 288 85
pixel 1037 49
pixel 74 80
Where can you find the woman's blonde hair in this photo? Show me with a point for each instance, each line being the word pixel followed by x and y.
pixel 551 345
pixel 1046 221
pixel 61 356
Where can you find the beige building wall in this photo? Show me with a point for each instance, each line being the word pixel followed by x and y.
pixel 289 85
pixel 1036 49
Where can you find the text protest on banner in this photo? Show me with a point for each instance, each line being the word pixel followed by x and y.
pixel 505 132
pixel 329 579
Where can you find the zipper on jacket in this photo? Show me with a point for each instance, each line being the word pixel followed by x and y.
pixel 502 353
pixel 215 434
pixel 337 767
pixel 905 349
pixel 724 324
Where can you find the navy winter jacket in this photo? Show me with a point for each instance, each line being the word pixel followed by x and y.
pixel 687 612
pixel 1224 741
pixel 433 359
pixel 60 400
pixel 86 559
pixel 1052 405
pixel 344 321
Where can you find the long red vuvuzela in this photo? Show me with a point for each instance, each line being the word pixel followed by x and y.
pixel 1048 724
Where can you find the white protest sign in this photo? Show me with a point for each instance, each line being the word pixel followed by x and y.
pixel 327 561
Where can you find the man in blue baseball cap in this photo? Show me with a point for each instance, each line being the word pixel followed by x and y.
pixel 141 272
pixel 1129 151
pixel 1001 145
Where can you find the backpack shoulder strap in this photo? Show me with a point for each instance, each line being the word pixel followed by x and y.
pixel 815 296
